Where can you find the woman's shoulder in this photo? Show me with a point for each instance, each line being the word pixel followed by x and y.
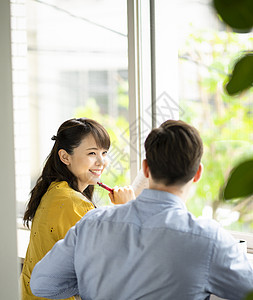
pixel 59 188
pixel 61 191
pixel 57 191
pixel 61 199
pixel 58 185
pixel 78 199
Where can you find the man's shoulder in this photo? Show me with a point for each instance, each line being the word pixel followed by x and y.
pixel 211 229
pixel 101 213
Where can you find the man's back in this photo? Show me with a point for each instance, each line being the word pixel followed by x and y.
pixel 152 248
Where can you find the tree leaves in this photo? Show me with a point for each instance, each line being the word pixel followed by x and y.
pixel 236 13
pixel 240 182
pixel 242 75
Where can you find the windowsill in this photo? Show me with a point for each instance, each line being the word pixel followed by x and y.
pixel 244 236
pixel 23 241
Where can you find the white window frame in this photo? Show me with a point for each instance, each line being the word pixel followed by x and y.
pixel 139 78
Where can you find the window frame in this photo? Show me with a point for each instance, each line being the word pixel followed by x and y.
pixel 9 282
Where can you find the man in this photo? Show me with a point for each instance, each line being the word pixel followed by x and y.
pixel 152 247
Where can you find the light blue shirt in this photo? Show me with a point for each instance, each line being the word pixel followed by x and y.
pixel 151 248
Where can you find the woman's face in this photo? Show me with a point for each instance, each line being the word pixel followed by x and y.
pixel 87 162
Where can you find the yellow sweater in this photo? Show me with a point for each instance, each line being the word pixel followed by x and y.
pixel 60 208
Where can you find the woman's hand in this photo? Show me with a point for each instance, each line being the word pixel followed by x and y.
pixel 122 195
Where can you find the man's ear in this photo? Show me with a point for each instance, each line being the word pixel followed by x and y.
pixel 64 156
pixel 145 168
pixel 199 173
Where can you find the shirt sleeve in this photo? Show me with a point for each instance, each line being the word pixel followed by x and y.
pixel 54 276
pixel 231 275
pixel 140 183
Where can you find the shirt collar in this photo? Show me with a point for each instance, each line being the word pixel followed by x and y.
pixel 161 197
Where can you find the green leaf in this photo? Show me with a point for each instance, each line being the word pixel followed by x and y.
pixel 238 14
pixel 242 75
pixel 249 296
pixel 240 182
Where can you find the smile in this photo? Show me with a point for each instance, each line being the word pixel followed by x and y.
pixel 96 172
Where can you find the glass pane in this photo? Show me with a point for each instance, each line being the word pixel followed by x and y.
pixel 206 49
pixel 77 66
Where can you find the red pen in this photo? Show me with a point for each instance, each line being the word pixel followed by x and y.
pixel 105 187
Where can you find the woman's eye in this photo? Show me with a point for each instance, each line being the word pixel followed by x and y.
pixel 105 153
pixel 92 153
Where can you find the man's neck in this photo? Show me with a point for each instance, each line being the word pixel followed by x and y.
pixel 182 191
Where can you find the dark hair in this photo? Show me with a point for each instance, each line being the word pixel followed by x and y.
pixel 69 136
pixel 173 152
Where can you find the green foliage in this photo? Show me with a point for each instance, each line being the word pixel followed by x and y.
pixel 239 16
pixel 225 123
pixel 242 76
pixel 240 182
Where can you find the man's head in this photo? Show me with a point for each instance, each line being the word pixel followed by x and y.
pixel 173 153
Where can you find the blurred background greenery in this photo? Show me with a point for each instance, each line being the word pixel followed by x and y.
pixel 225 124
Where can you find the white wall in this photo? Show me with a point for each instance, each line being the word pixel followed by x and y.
pixel 8 241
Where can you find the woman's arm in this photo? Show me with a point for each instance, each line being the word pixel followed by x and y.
pixel 125 194
pixel 122 195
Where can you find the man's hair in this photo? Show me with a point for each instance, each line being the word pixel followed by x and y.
pixel 173 152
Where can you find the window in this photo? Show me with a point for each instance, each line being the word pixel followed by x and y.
pixel 74 75
pixel 77 67
pixel 205 49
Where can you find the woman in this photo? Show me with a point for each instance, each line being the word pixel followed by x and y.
pixel 63 193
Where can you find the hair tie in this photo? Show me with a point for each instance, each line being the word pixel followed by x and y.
pixel 54 138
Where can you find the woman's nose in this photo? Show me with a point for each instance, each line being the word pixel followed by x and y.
pixel 100 160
